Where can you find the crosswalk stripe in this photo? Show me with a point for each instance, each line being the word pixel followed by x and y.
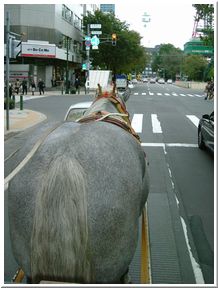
pixel 136 93
pixel 167 94
pixel 150 93
pixel 190 95
pixel 174 94
pixel 137 122
pixel 155 124
pixel 199 95
pixel 195 120
pixel 143 93
pixel 182 95
pixel 159 94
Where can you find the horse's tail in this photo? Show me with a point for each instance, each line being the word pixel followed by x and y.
pixel 59 243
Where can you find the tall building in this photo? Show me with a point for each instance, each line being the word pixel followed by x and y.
pixel 52 45
pixel 108 8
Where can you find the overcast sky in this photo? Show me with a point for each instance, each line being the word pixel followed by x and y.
pixel 170 22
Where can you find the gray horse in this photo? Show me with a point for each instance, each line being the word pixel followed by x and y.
pixel 74 207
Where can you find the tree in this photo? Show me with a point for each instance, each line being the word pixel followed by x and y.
pixel 205 12
pixel 127 55
pixel 194 67
pixel 167 61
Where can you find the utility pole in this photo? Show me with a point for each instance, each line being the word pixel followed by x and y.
pixel 67 68
pixel 88 59
pixel 7 67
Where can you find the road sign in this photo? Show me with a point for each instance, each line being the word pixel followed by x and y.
pixel 95 26
pixel 96 32
pixel 88 43
pixel 95 41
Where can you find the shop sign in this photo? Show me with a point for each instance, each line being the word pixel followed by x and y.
pixel 38 50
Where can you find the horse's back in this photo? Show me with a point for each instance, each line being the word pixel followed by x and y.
pixel 116 189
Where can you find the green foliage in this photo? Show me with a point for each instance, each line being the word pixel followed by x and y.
pixel 167 61
pixel 206 12
pixel 127 55
pixel 11 104
pixel 194 67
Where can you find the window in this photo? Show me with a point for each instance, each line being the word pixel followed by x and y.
pixel 77 22
pixel 67 14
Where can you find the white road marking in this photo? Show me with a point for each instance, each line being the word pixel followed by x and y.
pixel 185 145
pixel 199 95
pixel 174 94
pixel 190 95
pixel 182 95
pixel 136 93
pixel 155 124
pixel 150 93
pixel 159 94
pixel 137 122
pixel 195 120
pixel 195 266
pixel 167 94
pixel 143 93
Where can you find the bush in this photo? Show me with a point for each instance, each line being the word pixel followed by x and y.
pixel 11 104
pixel 73 91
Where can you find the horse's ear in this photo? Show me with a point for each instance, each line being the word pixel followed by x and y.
pixel 114 89
pixel 99 89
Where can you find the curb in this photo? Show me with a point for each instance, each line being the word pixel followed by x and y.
pixel 21 120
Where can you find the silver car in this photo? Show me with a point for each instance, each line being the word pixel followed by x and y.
pixel 76 111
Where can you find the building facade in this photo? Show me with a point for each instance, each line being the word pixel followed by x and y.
pixel 52 44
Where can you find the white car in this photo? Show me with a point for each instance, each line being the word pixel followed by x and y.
pixel 161 81
pixel 144 80
pixel 152 80
pixel 76 111
pixel 134 81
pixel 169 81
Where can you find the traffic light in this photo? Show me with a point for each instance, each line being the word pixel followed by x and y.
pixel 114 39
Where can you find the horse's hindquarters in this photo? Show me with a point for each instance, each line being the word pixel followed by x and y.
pixel 112 165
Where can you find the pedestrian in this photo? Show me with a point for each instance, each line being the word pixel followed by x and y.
pixel 33 87
pixel 77 84
pixel 24 86
pixel 41 86
pixel 17 86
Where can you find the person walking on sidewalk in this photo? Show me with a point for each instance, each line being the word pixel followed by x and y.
pixel 77 84
pixel 41 86
pixel 33 87
pixel 24 86
pixel 17 86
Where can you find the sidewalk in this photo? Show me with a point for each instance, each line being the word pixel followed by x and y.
pixel 22 119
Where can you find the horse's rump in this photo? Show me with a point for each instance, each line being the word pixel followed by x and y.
pixel 93 177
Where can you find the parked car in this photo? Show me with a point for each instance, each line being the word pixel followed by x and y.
pixel 206 132
pixel 152 80
pixel 161 81
pixel 169 81
pixel 76 111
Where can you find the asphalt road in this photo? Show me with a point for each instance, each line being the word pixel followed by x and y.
pixel 181 199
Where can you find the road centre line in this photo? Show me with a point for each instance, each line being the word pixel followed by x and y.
pixel 137 122
pixel 195 120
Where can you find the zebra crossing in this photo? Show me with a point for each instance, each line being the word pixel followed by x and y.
pixel 168 94
pixel 138 119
